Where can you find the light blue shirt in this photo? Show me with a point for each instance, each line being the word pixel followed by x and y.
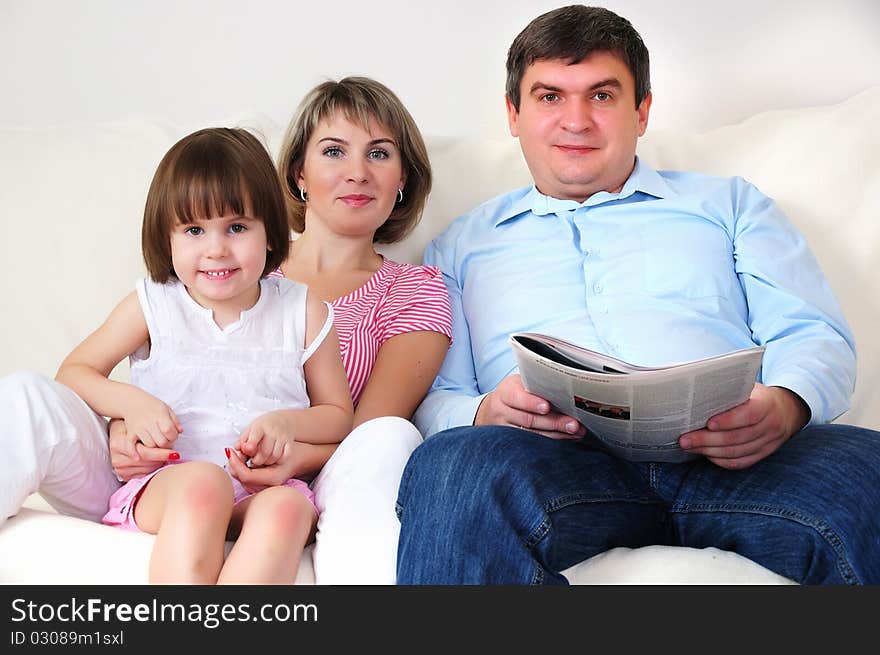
pixel 676 266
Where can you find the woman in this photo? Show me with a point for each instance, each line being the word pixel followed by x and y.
pixel 355 171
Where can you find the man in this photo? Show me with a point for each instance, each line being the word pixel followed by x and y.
pixel 652 268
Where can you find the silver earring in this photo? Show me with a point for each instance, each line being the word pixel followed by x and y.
pixel 399 196
pixel 303 195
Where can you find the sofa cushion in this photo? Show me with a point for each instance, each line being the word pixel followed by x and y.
pixel 94 553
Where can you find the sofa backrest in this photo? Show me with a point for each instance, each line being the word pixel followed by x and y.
pixel 72 201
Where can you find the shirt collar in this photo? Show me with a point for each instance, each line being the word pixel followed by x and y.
pixel 643 179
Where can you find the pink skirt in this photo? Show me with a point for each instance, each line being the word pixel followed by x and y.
pixel 120 513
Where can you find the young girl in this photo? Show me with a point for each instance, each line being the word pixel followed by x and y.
pixel 223 360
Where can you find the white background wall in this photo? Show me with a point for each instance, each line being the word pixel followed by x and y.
pixel 195 62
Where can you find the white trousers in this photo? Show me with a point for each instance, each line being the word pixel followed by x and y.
pixel 356 492
pixel 51 442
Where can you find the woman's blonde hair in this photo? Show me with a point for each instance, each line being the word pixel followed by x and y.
pixel 209 173
pixel 361 100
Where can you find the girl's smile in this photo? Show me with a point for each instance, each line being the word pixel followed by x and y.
pixel 220 260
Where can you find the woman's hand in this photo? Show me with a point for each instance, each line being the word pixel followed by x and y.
pixel 130 457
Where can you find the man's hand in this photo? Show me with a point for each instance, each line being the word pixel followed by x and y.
pixel 749 432
pixel 511 404
pixel 130 457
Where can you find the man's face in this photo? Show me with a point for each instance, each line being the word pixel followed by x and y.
pixel 578 125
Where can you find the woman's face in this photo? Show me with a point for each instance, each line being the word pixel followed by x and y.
pixel 351 176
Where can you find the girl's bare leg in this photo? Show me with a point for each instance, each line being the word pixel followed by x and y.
pixel 276 524
pixel 187 507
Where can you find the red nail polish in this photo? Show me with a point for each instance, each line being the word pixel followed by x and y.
pixel 228 454
pixel 174 455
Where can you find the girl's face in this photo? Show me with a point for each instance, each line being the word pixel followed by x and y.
pixel 220 261
pixel 351 176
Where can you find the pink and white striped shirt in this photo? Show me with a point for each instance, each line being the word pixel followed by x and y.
pixel 396 299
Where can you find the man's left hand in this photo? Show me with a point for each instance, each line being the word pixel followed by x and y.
pixel 749 432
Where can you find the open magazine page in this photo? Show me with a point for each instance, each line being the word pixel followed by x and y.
pixel 639 414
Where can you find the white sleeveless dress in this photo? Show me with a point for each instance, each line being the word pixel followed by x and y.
pixel 218 380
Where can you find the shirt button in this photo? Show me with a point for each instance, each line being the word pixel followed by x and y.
pixel 597 288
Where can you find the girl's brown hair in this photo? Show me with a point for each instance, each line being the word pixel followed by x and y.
pixel 208 173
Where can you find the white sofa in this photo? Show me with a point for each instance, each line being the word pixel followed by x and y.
pixel 72 200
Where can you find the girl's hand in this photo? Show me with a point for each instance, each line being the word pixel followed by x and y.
pixel 152 422
pixel 130 457
pixel 259 478
pixel 268 439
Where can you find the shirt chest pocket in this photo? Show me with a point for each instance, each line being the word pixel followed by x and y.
pixel 693 263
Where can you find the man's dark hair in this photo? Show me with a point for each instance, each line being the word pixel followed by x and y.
pixel 573 33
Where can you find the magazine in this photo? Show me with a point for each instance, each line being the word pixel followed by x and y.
pixel 637 412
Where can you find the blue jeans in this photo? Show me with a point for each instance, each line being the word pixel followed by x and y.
pixel 499 505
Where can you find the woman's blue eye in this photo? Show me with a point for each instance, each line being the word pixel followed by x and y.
pixel 333 151
pixel 378 153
